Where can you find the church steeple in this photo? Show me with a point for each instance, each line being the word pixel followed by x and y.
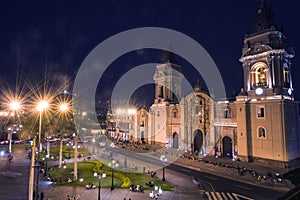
pixel 266 58
pixel 168 79
pixel 168 57
pixel 263 19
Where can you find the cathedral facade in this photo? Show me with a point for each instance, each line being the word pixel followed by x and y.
pixel 260 124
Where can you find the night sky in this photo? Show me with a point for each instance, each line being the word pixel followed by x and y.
pixel 50 39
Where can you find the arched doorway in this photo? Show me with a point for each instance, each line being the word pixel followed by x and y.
pixel 175 140
pixel 198 140
pixel 227 146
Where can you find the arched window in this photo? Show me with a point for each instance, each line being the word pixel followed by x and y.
pixel 261 132
pixel 175 114
pixel 286 77
pixel 259 75
pixel 197 110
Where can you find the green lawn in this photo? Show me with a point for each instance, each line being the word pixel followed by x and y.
pixel 122 179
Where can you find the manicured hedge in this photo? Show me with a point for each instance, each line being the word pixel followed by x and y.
pixel 98 165
pixel 125 180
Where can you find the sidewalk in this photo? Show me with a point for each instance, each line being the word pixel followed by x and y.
pixel 227 168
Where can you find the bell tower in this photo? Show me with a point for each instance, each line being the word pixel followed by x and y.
pixel 266 58
pixel 165 112
pixel 168 79
pixel 266 114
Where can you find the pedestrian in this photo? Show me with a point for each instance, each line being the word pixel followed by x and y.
pixel 68 197
pixel 78 197
pixel 259 178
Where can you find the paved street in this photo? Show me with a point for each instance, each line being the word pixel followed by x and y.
pixel 14 176
pixel 215 184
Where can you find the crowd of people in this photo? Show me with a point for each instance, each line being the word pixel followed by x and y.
pixel 136 188
pixel 72 197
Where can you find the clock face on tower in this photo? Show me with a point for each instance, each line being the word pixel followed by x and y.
pixel 259 91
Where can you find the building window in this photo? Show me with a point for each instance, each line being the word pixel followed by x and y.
pixel 225 113
pixel 158 114
pixel 197 110
pixel 175 114
pixel 260 111
pixel 261 132
pixel 286 77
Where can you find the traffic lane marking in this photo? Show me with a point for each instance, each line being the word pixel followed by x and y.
pixel 243 187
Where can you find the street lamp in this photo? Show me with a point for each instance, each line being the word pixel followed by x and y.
pixel 156 193
pixel 62 108
pixel 113 164
pixel 100 176
pixel 163 159
pixel 93 143
pixel 14 106
pixel 41 107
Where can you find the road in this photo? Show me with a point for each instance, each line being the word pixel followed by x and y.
pixel 215 185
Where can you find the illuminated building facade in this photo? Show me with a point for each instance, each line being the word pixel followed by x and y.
pixel 261 124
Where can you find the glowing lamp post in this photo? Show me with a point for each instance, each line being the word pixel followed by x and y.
pixel 163 159
pixel 62 108
pixel 113 164
pixel 100 176
pixel 41 107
